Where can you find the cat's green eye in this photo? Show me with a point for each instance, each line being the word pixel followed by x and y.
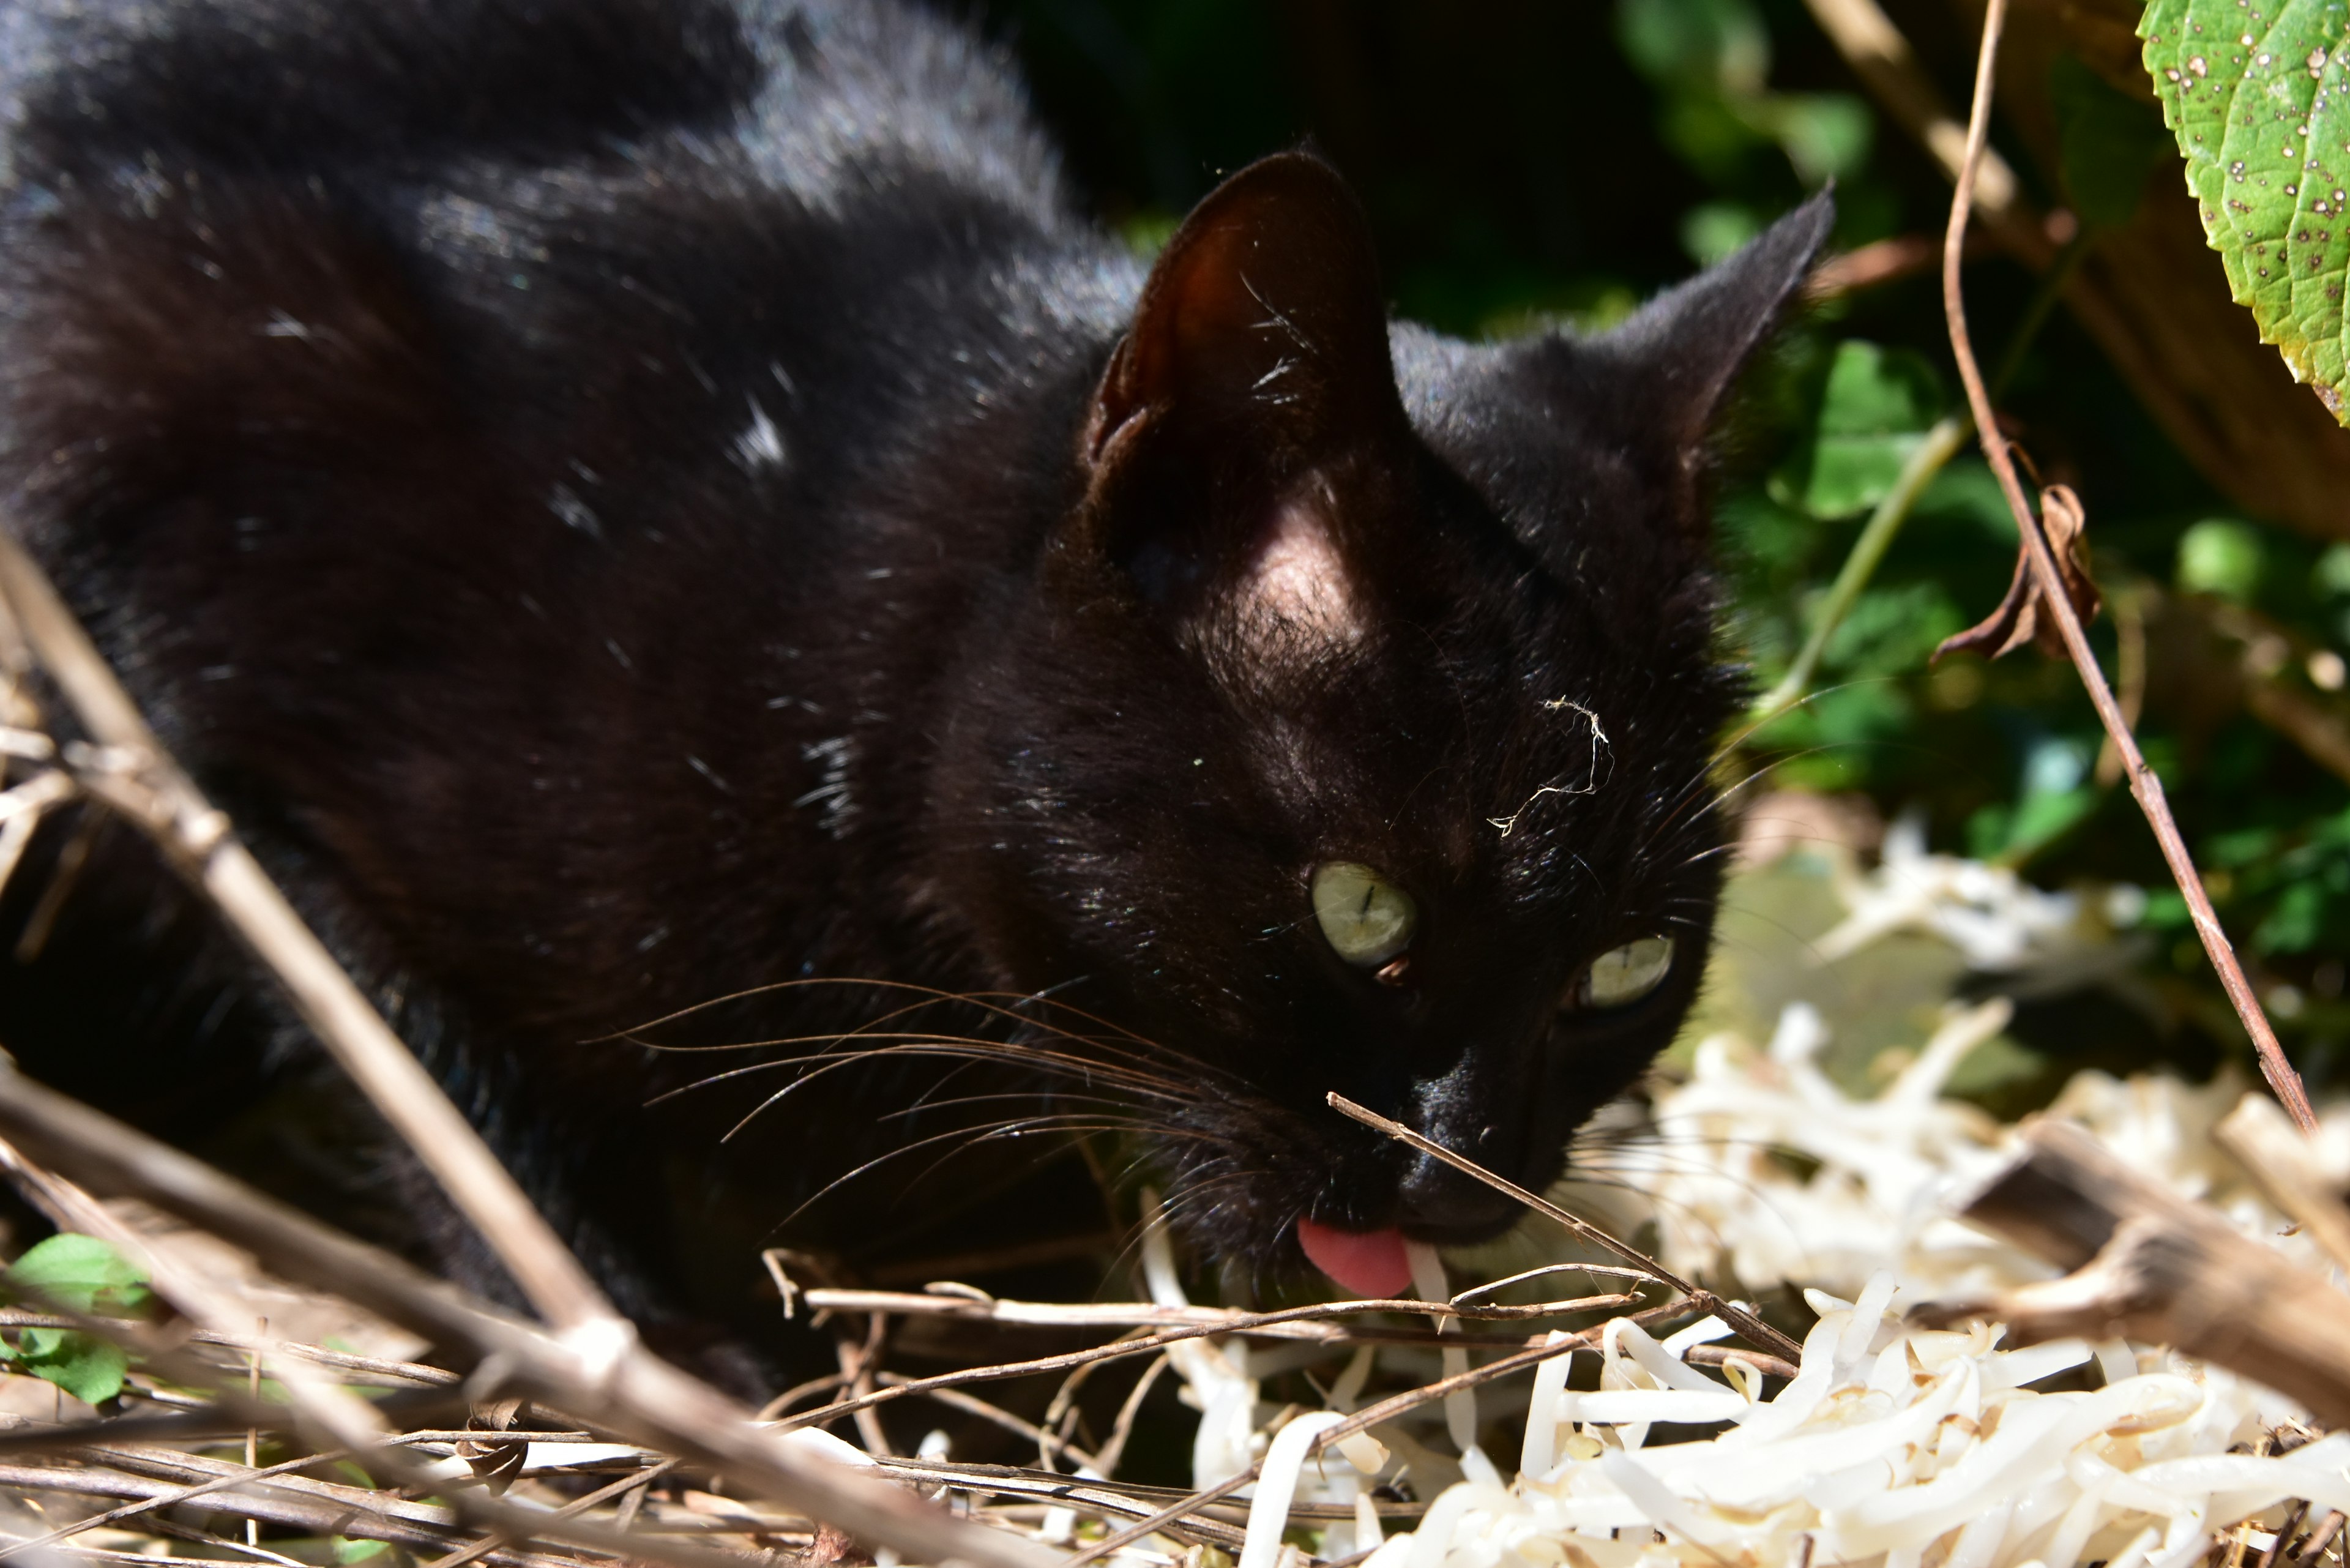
pixel 1366 918
pixel 1621 976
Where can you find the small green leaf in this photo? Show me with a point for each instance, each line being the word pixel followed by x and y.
pixel 1878 404
pixel 1824 135
pixel 87 1368
pixel 1711 231
pixel 2332 574
pixel 2108 142
pixel 1720 46
pixel 2220 557
pixel 81 1274
pixel 84 1274
pixel 2259 99
pixel 347 1551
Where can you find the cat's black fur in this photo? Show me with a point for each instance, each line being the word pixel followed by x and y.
pixel 629 502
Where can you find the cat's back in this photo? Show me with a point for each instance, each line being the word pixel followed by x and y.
pixel 651 269
pixel 821 95
pixel 377 378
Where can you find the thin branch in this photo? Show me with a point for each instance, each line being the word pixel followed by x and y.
pixel 1294 1323
pixel 169 1500
pixel 492 1542
pixel 1879 262
pixel 319 1404
pixel 1883 59
pixel 1938 446
pixel 388 1374
pixel 131 770
pixel 2058 604
pixel 1370 1416
pixel 1243 1323
pixel 643 1398
pixel 1114 1449
pixel 995 1415
pixel 1755 1332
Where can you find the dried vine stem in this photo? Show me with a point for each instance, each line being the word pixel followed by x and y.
pixel 1238 1323
pixel 129 769
pixel 2143 784
pixel 1309 1322
pixel 318 1404
pixel 1361 1420
pixel 1752 1329
pixel 640 1397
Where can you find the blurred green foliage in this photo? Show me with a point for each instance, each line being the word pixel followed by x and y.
pixel 77 1274
pixel 1536 162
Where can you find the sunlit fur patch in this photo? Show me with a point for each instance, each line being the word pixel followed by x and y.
pixel 1297 588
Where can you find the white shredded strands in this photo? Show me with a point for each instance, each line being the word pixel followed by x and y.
pixel 1891 1441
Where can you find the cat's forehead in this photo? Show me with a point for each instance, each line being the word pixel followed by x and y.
pixel 1472 732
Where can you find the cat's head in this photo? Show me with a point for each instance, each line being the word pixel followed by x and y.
pixel 1359 735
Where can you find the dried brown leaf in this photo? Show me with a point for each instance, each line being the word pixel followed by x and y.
pixel 497 1465
pixel 2018 620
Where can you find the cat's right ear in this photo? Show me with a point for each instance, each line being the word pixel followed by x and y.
pixel 1262 326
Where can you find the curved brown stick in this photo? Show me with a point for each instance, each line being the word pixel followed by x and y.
pixel 2058 605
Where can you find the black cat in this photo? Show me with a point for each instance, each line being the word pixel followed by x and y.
pixel 634 501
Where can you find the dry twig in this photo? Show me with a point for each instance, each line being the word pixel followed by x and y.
pixel 2148 1265
pixel 1752 1329
pixel 639 1396
pixel 129 769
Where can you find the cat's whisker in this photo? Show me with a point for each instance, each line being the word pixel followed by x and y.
pixel 1703 780
pixel 807 1070
pixel 1053 1097
pixel 812 1067
pixel 987 1002
pixel 964 1053
pixel 971 1136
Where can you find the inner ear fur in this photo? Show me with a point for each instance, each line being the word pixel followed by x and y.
pixel 1263 324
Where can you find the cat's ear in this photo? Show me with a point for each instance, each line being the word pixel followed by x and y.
pixel 1690 342
pixel 1262 321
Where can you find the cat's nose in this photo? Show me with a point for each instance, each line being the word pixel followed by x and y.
pixel 1437 1202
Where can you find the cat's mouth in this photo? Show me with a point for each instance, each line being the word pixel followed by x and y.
pixel 1432 1203
pixel 1370 1265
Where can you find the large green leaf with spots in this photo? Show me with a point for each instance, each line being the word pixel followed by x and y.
pixel 2258 94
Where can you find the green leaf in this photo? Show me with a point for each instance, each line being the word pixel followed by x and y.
pixel 84 1274
pixel 2219 558
pixel 1873 412
pixel 1715 45
pixel 2109 142
pixel 1825 136
pixel 81 1274
pixel 2331 573
pixel 1712 230
pixel 87 1368
pixel 2259 99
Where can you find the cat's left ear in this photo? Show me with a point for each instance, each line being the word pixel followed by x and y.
pixel 1262 322
pixel 1690 342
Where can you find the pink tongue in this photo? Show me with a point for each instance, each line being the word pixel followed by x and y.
pixel 1368 1262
